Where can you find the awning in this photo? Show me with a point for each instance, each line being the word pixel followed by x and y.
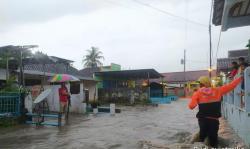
pixel 231 13
pixel 130 74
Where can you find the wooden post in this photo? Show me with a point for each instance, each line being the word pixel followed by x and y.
pixel 148 86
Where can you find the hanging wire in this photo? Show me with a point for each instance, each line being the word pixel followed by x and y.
pixel 218 44
pixel 169 14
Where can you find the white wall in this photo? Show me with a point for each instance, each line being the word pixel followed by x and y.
pixel 91 86
pixel 53 99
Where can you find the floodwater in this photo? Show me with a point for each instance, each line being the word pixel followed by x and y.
pixel 165 124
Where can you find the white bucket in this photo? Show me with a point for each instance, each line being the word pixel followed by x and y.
pixel 95 110
pixel 112 109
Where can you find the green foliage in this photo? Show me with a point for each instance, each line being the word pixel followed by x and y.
pixel 10 85
pixel 7 122
pixel 40 55
pixel 92 59
pixel 12 53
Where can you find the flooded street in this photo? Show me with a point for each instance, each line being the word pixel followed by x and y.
pixel 165 124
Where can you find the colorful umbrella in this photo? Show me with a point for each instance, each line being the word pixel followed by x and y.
pixel 63 78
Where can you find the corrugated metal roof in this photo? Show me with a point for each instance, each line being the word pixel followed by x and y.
pixel 218 11
pixel 130 74
pixel 238 53
pixel 52 69
pixel 231 13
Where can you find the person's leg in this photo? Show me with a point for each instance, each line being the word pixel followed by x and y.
pixel 203 129
pixel 213 133
pixel 62 107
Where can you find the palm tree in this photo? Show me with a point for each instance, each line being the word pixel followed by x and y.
pixel 92 59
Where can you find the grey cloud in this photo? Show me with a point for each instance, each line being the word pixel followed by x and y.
pixel 16 12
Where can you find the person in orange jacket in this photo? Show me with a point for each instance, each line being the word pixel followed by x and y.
pixel 208 100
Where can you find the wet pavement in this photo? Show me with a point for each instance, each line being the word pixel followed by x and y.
pixel 165 124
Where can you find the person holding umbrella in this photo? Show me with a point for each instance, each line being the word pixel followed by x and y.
pixel 63 97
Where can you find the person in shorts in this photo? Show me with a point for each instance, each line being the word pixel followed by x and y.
pixel 63 97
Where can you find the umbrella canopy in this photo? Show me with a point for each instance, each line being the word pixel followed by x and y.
pixel 63 78
pixel 42 96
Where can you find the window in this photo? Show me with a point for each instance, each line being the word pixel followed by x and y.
pixel 75 87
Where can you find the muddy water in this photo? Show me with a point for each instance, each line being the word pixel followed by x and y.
pixel 165 124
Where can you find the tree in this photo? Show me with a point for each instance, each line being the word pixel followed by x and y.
pixel 12 55
pixel 92 59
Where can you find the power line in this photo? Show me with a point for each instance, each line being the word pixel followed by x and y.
pixel 169 14
pixel 218 44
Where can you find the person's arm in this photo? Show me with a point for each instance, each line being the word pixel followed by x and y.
pixel 63 92
pixel 229 87
pixel 194 101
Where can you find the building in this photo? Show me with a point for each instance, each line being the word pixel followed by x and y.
pixel 180 83
pixel 36 74
pixel 39 74
pixel 89 73
pixel 235 108
pixel 224 64
pixel 126 86
pixel 231 13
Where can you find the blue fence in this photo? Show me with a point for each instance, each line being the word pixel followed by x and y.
pixel 9 104
pixel 163 100
pixel 236 108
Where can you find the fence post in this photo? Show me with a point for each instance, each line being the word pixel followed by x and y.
pixel 236 96
pixel 247 88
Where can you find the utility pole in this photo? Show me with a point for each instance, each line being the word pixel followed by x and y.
pixel 22 48
pixel 210 52
pixel 183 61
pixel 21 69
pixel 210 42
pixel 7 68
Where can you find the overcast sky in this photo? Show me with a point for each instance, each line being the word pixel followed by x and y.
pixel 128 33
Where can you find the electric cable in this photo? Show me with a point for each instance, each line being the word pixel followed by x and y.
pixel 169 14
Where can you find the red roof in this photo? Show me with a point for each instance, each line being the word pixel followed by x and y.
pixel 179 77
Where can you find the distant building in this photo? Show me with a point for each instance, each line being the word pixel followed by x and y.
pixel 224 64
pixel 89 73
pixel 177 82
pixel 126 86
pixel 39 73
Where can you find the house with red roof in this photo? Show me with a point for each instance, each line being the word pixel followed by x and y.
pixel 180 83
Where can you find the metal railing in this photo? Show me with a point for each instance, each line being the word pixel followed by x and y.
pixel 9 104
pixel 240 97
pixel 236 108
